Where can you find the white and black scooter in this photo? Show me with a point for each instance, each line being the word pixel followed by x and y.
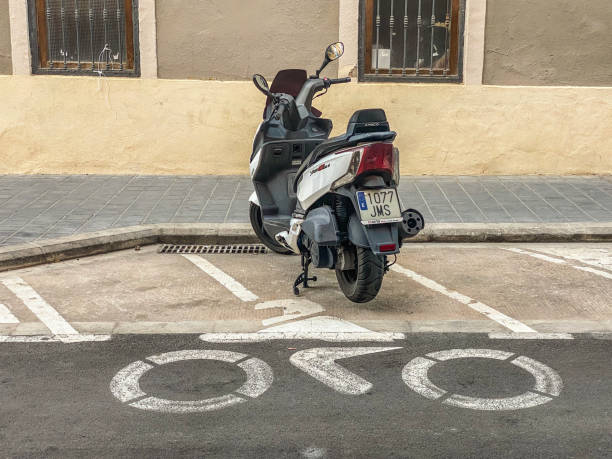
pixel 333 201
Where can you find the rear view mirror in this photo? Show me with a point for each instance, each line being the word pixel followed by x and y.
pixel 261 84
pixel 332 53
pixel 335 51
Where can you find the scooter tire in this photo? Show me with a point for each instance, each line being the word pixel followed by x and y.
pixel 362 284
pixel 257 224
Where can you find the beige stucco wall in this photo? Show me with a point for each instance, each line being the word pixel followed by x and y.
pixel 548 42
pixel 6 66
pixel 122 126
pixel 232 39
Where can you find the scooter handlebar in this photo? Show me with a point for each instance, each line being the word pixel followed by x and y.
pixel 330 81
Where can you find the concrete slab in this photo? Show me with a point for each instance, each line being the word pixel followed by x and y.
pixel 144 292
pixel 517 285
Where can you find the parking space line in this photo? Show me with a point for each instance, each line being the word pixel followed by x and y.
pixel 6 316
pixel 559 261
pixel 35 303
pixel 502 319
pixel 537 255
pixel 235 287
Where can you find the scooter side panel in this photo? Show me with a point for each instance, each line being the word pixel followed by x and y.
pixel 318 179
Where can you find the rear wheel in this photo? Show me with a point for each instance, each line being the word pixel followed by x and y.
pixel 257 224
pixel 362 284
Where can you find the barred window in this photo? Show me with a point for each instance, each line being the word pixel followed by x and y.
pixel 411 40
pixel 84 37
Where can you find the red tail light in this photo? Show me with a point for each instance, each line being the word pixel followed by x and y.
pixel 377 157
pixel 388 248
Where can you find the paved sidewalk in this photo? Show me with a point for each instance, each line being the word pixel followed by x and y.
pixel 49 206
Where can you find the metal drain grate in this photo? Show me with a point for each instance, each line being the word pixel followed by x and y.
pixel 250 249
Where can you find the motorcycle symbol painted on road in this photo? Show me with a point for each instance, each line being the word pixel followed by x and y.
pixel 320 363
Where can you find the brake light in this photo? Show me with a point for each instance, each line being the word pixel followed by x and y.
pixel 377 157
pixel 388 247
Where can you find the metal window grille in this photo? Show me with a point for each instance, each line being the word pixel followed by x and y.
pixel 411 40
pixel 84 37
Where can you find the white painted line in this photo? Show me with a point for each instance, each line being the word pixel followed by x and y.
pixel 292 309
pixel 35 303
pixel 595 271
pixel 535 336
pixel 537 255
pixel 198 354
pixel 332 337
pixel 125 385
pixel 184 407
pixel 6 316
pixel 320 364
pixel 259 378
pixel 414 375
pixel 592 255
pixel 547 381
pixel 526 400
pixel 67 339
pixel 235 287
pixel 571 256
pixel 452 354
pixel 493 314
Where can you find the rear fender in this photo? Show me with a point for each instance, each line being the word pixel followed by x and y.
pixel 373 236
pixel 254 199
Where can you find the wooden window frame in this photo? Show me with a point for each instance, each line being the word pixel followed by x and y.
pixel 366 31
pixel 38 44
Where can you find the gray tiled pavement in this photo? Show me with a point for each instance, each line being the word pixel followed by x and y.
pixel 48 206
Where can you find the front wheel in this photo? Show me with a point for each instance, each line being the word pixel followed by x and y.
pixel 257 224
pixel 362 283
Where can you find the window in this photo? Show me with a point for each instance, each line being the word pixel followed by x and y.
pixel 411 40
pixel 84 37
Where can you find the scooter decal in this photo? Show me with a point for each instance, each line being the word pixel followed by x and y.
pixel 363 204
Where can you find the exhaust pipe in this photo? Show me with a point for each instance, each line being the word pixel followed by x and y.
pixel 412 224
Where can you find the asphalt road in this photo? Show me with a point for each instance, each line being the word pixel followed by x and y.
pixel 56 401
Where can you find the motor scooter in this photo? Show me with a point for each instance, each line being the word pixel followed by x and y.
pixel 334 201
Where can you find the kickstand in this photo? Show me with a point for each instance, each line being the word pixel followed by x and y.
pixel 303 277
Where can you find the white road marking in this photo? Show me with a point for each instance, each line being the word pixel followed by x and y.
pixel 6 316
pixel 575 254
pixel 587 254
pixel 235 287
pixel 320 364
pixel 519 402
pixel 55 339
pixel 537 255
pixel 327 324
pixel 331 337
pixel 595 271
pixel 126 388
pixel 548 381
pixel 501 335
pixel 35 303
pixel 502 319
pixel 187 406
pixel 292 309
pixel 325 328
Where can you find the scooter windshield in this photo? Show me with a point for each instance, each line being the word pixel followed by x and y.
pixel 289 82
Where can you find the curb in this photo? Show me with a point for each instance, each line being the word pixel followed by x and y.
pixel 82 245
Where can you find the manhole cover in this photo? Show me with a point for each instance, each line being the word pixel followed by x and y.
pixel 251 249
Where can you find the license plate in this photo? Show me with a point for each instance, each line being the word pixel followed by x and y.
pixel 379 206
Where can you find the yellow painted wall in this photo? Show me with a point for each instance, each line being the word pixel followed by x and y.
pixel 127 126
